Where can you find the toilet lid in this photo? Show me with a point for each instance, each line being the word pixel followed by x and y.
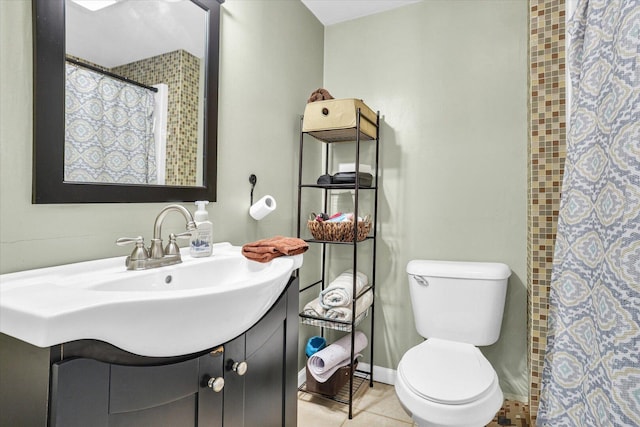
pixel 446 372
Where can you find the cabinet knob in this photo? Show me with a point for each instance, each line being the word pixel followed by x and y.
pixel 216 384
pixel 239 368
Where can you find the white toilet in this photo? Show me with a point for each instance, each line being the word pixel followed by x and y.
pixel 446 380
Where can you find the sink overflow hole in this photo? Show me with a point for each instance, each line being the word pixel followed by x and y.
pixel 168 279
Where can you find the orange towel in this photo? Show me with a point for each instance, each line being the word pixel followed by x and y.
pixel 319 95
pixel 267 249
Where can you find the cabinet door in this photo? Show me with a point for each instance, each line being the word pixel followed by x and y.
pixel 255 397
pixel 159 396
pixel 85 392
pixel 264 381
pixel 266 394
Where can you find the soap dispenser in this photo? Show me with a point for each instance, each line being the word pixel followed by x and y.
pixel 201 238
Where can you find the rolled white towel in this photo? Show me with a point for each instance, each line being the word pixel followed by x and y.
pixel 313 308
pixel 339 293
pixel 344 313
pixel 325 362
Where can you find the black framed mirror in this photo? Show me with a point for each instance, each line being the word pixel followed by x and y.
pixel 50 182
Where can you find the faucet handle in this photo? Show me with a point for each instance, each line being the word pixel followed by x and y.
pixel 126 240
pixel 182 235
pixel 172 247
pixel 139 252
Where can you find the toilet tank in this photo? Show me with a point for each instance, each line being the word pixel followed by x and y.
pixel 458 301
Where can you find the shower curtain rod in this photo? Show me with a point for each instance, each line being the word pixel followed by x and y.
pixel 112 75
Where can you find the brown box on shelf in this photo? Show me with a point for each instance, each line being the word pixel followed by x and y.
pixel 334 120
pixel 333 385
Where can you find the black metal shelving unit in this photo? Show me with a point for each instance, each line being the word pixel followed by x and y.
pixel 353 136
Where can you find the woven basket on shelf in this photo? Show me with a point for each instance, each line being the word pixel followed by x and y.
pixel 338 231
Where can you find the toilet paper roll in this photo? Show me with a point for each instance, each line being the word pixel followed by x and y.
pixel 262 207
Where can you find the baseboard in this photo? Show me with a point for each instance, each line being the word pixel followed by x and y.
pixel 380 374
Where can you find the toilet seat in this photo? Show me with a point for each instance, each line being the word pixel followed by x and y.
pixel 447 372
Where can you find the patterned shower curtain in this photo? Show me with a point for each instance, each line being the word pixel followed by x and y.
pixel 591 375
pixel 109 130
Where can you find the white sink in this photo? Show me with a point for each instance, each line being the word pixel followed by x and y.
pixel 166 311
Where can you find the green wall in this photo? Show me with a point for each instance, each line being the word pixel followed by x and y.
pixel 450 80
pixel 267 74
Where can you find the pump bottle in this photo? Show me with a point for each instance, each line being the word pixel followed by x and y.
pixel 201 238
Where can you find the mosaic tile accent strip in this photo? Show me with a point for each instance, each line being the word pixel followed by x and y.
pixel 547 152
pixel 181 72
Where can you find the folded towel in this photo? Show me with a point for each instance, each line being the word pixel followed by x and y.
pixel 313 308
pixel 319 95
pixel 267 249
pixel 344 313
pixel 324 363
pixel 339 293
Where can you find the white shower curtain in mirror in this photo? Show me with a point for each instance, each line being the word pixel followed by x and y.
pixel 591 374
pixel 109 130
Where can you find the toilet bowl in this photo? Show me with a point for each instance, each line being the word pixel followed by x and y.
pixel 446 381
pixel 442 383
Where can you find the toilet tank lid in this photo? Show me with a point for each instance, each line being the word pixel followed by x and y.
pixel 459 269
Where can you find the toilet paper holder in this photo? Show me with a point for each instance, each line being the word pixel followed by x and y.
pixel 262 207
pixel 252 179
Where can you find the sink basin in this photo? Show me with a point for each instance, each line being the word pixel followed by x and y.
pixel 162 312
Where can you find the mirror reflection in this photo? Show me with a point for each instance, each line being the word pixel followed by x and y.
pixel 135 92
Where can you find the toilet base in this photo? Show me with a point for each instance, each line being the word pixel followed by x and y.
pixel 431 414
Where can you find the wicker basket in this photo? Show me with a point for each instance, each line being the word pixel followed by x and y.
pixel 338 231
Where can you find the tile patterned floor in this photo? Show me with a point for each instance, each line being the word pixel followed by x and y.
pixel 376 406
pixel 379 407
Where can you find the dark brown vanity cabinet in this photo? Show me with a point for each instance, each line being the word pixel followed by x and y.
pixel 95 385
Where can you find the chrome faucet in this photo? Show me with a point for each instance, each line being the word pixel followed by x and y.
pixel 156 255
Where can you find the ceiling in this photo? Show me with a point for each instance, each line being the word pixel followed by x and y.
pixel 100 36
pixel 331 12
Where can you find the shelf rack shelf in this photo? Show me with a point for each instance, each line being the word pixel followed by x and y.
pixel 360 377
pixel 338 325
pixel 337 186
pixel 341 135
pixel 354 136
